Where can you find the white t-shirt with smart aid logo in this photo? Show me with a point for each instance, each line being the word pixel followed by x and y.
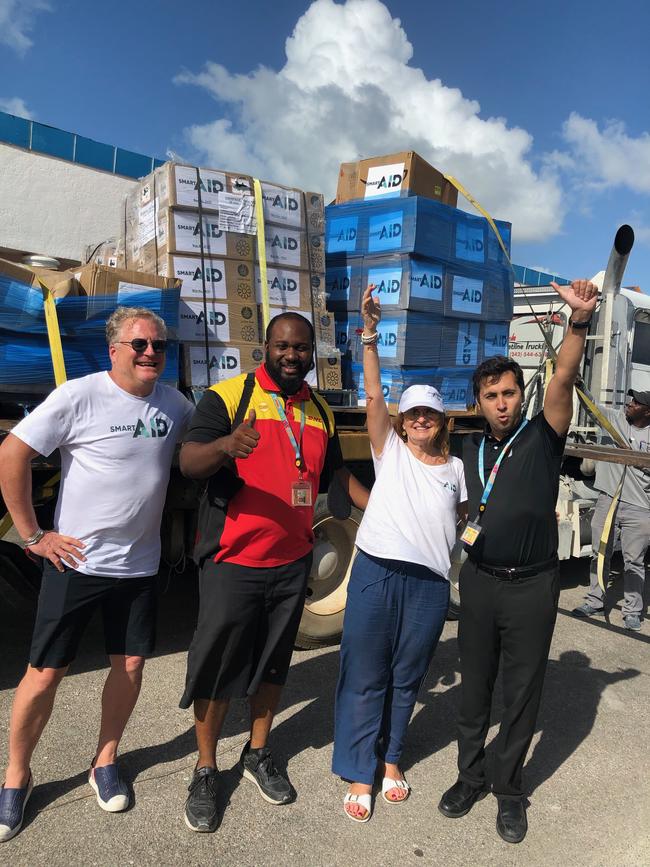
pixel 116 453
pixel 411 514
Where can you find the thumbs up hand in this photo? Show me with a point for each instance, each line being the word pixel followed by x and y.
pixel 243 439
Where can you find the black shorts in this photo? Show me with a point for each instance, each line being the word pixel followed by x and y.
pixel 248 621
pixel 69 599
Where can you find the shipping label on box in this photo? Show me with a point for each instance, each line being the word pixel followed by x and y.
pixel 343 287
pixel 185 230
pixel 426 280
pixel 384 180
pixel 286 287
pixel 226 322
pixel 495 339
pixel 467 343
pixel 286 247
pixel 282 206
pixel 470 240
pixel 342 234
pixel 385 231
pixel 467 295
pixel 211 183
pixel 387 388
pixel 387 281
pixel 225 279
pixel 223 362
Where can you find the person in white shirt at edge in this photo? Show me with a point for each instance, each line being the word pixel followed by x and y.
pixel 116 432
pixel 398 593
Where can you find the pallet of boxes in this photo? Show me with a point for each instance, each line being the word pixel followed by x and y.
pixel 445 284
pixel 199 225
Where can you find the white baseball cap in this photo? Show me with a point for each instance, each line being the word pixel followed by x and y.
pixel 421 395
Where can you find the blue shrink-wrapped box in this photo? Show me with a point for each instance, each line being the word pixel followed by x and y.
pixel 455 385
pixel 412 225
pixel 404 282
pixel 343 286
pixel 474 294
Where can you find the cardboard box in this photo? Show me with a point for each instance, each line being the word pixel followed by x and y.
pixel 285 206
pixel 294 249
pixel 328 370
pixel 225 279
pixel 153 235
pixel 228 321
pixel 225 361
pixel 401 174
pixel 109 253
pixel 176 185
pixel 15 278
pixel 97 279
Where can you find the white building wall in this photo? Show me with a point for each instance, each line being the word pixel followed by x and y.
pixel 55 208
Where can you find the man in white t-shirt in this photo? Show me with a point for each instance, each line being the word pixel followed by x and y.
pixel 116 432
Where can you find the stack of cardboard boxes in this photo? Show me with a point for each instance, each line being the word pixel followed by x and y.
pixel 199 225
pixel 445 285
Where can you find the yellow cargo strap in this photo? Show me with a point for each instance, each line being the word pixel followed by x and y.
pixel 607 530
pixel 58 363
pixel 581 390
pixel 53 334
pixel 261 252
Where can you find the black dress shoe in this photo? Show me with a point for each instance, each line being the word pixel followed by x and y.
pixel 460 799
pixel 511 820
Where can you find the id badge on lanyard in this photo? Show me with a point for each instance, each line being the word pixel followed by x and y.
pixel 473 528
pixel 301 493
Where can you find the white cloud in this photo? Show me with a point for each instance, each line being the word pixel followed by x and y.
pixel 16 105
pixel 348 89
pixel 16 20
pixel 607 158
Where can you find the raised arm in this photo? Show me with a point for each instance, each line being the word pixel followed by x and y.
pixel 377 416
pixel 581 297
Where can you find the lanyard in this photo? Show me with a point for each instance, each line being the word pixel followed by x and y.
pixel 287 427
pixel 487 488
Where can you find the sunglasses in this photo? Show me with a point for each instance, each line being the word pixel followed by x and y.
pixel 139 344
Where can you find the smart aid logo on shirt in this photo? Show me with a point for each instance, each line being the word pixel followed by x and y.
pixel 158 427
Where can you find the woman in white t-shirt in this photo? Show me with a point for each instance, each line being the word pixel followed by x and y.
pixel 398 593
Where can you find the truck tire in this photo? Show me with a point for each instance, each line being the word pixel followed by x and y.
pixel 322 617
pixel 20 578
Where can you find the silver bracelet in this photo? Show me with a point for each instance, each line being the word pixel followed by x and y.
pixel 369 339
pixel 34 539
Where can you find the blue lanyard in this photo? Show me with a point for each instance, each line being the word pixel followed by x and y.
pixel 287 427
pixel 487 488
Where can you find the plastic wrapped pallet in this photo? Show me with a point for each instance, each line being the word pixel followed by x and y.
pixel 413 225
pixel 454 385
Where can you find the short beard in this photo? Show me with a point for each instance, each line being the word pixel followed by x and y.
pixel 288 385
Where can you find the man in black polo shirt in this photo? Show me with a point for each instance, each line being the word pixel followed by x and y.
pixel 509 585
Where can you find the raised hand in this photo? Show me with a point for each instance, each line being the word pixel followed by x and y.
pixel 370 310
pixel 244 438
pixel 581 296
pixel 60 550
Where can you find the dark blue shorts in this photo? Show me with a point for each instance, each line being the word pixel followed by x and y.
pixel 69 599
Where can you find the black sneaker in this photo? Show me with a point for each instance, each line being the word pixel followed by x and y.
pixel 201 806
pixel 257 766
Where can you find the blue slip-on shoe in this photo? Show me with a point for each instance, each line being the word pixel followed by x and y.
pixel 12 809
pixel 112 792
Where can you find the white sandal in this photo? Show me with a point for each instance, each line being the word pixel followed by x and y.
pixel 364 801
pixel 387 784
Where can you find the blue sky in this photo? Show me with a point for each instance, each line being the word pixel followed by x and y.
pixel 541 110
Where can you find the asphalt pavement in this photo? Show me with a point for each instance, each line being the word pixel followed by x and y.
pixel 586 772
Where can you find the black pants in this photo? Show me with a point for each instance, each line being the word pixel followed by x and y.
pixel 512 620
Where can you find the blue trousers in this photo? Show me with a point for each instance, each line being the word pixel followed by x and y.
pixel 394 615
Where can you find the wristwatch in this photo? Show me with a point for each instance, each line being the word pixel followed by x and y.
pixel 34 539
pixel 580 326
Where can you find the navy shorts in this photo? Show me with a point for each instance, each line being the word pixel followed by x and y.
pixel 69 599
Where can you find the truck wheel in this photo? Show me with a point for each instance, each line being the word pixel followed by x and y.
pixel 322 617
pixel 20 578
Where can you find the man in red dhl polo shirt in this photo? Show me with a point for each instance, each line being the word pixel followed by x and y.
pixel 252 590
